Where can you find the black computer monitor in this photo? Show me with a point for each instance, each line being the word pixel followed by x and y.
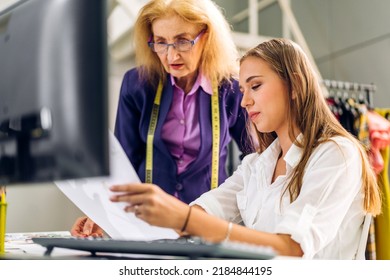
pixel 53 91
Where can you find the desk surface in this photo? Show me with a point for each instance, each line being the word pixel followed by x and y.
pixel 20 245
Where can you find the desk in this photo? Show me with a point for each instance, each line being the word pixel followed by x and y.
pixel 20 246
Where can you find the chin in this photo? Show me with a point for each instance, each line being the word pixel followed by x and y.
pixel 263 129
pixel 178 73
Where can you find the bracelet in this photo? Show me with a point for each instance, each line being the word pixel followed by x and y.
pixel 187 219
pixel 228 232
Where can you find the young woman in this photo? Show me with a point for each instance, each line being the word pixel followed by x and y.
pixel 307 189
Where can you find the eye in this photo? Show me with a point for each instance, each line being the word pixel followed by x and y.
pixel 182 42
pixel 255 86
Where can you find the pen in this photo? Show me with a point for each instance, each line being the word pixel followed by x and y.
pixel 2 194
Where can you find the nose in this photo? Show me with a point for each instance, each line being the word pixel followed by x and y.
pixel 246 100
pixel 171 52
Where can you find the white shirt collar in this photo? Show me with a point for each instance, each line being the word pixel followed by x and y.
pixel 294 154
pixel 292 157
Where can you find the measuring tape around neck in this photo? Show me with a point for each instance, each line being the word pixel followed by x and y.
pixel 215 123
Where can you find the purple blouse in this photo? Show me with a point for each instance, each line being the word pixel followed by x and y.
pixel 181 131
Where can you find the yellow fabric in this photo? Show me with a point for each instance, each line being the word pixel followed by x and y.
pixel 371 245
pixel 382 222
pixel 362 122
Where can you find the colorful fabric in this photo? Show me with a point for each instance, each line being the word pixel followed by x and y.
pixel 382 222
pixel 379 129
pixel 371 244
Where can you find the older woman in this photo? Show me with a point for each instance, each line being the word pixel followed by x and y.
pixel 192 55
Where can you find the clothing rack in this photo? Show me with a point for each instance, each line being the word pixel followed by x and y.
pixel 363 91
pixel 358 126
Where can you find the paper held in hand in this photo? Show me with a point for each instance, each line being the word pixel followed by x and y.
pixel 91 196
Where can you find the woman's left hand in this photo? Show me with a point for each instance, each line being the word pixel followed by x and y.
pixel 151 204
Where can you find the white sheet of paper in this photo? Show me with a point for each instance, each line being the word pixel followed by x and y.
pixel 91 195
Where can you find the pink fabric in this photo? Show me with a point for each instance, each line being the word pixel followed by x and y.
pixel 181 131
pixel 379 129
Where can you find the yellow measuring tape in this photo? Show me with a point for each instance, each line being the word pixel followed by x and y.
pixel 215 123
pixel 216 136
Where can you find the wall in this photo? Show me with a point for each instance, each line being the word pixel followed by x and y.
pixel 349 39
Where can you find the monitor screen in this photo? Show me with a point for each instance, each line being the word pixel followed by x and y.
pixel 53 91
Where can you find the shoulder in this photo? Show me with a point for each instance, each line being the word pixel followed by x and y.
pixel 132 75
pixel 337 150
pixel 230 92
pixel 251 159
pixel 132 85
pixel 340 145
pixel 229 87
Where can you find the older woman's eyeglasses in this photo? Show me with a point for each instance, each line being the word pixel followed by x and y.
pixel 181 45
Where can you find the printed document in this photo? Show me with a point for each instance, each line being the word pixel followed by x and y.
pixel 91 195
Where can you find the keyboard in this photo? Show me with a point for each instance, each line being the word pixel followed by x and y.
pixel 192 248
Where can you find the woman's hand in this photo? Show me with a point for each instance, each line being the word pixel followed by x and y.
pixel 84 227
pixel 151 204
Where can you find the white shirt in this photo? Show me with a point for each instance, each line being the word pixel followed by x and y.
pixel 327 216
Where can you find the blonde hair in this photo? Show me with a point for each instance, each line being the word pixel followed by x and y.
pixel 220 55
pixel 310 112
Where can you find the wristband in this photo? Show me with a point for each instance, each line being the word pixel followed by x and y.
pixel 187 219
pixel 228 232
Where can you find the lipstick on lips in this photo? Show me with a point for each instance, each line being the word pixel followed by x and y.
pixel 253 115
pixel 175 66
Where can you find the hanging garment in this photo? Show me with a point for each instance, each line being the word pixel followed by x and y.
pixel 334 107
pixel 382 222
pixel 349 115
pixel 371 243
pixel 361 125
pixel 379 129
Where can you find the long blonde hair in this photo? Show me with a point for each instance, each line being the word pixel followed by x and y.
pixel 220 56
pixel 310 112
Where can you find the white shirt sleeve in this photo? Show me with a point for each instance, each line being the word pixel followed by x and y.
pixel 222 201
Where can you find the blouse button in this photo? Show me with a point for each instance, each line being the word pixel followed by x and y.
pixel 179 187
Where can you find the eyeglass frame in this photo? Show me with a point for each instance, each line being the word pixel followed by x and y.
pixel 193 42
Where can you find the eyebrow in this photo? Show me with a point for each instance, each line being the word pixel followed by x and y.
pixel 252 77
pixel 176 36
